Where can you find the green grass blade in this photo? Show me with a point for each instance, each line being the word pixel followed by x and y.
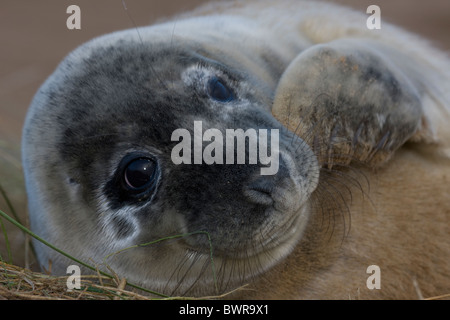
pixel 9 204
pixel 8 246
pixel 170 238
pixel 26 230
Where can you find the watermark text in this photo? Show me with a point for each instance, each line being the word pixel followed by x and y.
pixel 213 153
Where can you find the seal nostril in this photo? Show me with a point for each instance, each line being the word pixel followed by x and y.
pixel 260 191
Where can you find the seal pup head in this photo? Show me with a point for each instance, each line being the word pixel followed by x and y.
pixel 98 145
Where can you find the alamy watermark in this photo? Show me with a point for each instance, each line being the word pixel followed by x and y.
pixel 73 22
pixel 73 281
pixel 374 21
pixel 221 147
pixel 374 280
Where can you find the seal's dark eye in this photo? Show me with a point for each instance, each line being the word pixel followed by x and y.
pixel 140 174
pixel 135 180
pixel 218 90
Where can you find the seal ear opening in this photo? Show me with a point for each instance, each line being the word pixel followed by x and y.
pixel 355 98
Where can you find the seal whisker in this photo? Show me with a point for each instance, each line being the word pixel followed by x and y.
pixel 343 200
pixel 353 175
pixel 331 208
pixel 339 201
pixel 318 205
pixel 97 136
pixel 205 266
pixel 357 172
pixel 142 43
pixel 182 271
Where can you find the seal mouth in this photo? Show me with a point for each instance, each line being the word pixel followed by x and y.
pixel 287 233
pixel 274 240
pixel 204 268
pixel 278 240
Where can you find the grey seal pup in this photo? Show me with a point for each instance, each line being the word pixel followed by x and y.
pixel 111 179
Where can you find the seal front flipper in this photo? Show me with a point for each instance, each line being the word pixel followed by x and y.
pixel 351 100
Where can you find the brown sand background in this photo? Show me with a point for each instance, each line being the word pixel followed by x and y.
pixel 34 39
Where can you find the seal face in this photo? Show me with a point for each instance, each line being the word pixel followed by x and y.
pixel 100 176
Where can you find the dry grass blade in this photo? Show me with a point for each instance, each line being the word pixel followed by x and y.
pixel 17 283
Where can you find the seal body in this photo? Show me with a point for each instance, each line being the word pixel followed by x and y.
pixel 123 148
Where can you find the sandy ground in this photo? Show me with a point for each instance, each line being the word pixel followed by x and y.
pixel 34 38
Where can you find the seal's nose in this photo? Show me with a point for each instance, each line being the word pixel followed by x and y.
pixel 262 189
